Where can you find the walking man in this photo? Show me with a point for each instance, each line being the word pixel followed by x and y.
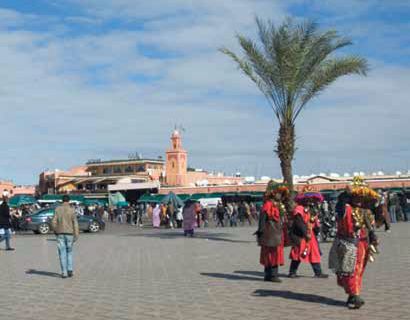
pixel 220 212
pixel 5 223
pixel 65 226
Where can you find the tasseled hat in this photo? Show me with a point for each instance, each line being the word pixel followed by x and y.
pixel 308 195
pixel 274 188
pixel 362 192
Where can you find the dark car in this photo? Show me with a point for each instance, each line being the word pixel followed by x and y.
pixel 39 222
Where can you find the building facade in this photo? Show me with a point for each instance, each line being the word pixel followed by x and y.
pixel 176 162
pixel 96 176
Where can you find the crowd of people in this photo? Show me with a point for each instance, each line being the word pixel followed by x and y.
pixel 231 214
pixel 169 215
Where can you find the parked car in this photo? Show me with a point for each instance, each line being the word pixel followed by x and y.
pixel 39 222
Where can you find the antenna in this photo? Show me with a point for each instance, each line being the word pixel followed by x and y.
pixel 181 128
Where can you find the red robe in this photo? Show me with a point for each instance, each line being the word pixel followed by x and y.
pixel 313 251
pixel 345 229
pixel 272 256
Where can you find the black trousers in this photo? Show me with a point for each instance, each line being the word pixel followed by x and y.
pixel 294 265
pixel 271 272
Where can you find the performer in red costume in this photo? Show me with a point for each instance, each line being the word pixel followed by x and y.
pixel 306 227
pixel 355 241
pixel 270 233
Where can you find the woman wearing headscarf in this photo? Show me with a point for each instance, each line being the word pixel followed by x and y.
pixel 189 215
pixel 156 216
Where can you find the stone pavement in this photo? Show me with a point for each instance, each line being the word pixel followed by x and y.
pixel 126 273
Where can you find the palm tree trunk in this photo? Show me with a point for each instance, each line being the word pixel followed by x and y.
pixel 286 151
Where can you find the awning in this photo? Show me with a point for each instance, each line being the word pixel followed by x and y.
pixel 59 197
pixel 396 190
pixel 134 186
pixel 19 200
pixel 151 198
pixel 95 202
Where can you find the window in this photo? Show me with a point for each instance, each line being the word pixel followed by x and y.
pixel 139 168
pixel 128 169
pixel 107 171
pixel 117 170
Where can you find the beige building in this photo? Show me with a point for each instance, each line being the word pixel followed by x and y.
pixel 96 176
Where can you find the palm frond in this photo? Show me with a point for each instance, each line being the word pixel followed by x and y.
pixel 327 73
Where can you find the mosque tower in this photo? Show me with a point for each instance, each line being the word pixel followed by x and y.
pixel 176 162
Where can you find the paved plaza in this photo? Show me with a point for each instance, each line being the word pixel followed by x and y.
pixel 127 273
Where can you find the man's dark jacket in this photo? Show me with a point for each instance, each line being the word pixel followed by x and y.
pixel 5 216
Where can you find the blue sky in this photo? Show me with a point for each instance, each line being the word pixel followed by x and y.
pixel 85 79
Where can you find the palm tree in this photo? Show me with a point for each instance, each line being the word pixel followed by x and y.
pixel 291 64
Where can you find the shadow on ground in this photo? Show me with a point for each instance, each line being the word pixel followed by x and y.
pixel 243 275
pixel 180 234
pixel 229 276
pixel 305 297
pixel 261 274
pixel 43 273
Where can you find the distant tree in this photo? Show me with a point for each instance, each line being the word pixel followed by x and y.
pixel 291 64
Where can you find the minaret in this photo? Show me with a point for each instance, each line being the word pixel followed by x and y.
pixel 176 162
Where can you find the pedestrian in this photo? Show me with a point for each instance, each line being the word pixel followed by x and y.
pixel 355 237
pixel 179 218
pixel 254 211
pixel 100 212
pixel 229 211
pixel 205 216
pixel 401 206
pixel 270 234
pixel 149 211
pixel 5 223
pixel 234 216
pixel 163 214
pixel 305 229
pixel 220 213
pixel 392 207
pixel 170 212
pixel 65 226
pixel 241 213
pixel 16 216
pixel 247 209
pixel 197 208
pixel 156 216
pixel 189 216
pixel 111 213
pixel 381 212
pixel 118 215
pixel 140 212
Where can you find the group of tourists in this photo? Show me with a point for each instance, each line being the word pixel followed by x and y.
pixel 283 224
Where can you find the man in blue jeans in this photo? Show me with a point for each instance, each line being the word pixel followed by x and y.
pixel 5 223
pixel 65 226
